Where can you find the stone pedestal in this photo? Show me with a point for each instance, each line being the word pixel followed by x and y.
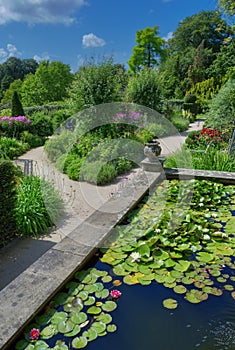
pixel 153 166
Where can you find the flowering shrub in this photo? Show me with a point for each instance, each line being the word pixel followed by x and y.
pixel 201 139
pixel 13 126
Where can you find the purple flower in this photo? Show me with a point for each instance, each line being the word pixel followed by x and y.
pixel 34 334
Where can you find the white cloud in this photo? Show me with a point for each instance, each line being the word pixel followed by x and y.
pixel 43 57
pixel 91 40
pixel 168 37
pixel 9 51
pixel 39 11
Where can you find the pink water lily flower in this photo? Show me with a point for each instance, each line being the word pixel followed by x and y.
pixel 34 334
pixel 115 294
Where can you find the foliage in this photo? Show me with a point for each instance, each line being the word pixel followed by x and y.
pixel 49 84
pixel 8 179
pixel 149 50
pixel 13 126
pixel 72 166
pixel 32 140
pixel 180 123
pixel 41 125
pixel 98 172
pixel 38 206
pixel 95 84
pixel 143 88
pixel 212 159
pixel 11 148
pixel 204 92
pixel 175 238
pixel 8 94
pixel 15 69
pixel 222 107
pixel 200 139
pixel 16 105
pixel 81 313
pixel 228 6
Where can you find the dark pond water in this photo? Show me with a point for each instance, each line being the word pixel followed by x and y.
pixel 143 323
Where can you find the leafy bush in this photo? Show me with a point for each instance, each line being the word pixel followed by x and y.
pixel 32 140
pixel 201 139
pixel 98 172
pixel 16 108
pixel 222 107
pixel 95 84
pixel 73 168
pixel 211 160
pixel 12 148
pixel 38 206
pixel 143 89
pixel 41 125
pixel 180 123
pixel 8 180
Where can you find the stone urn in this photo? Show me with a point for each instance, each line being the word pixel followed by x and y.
pixel 152 150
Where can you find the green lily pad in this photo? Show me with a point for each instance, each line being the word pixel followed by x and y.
pixel 195 296
pixel 170 303
pixel 105 318
pixel 120 271
pixel 182 265
pixel 109 306
pixel 91 334
pixel 130 279
pixel 233 294
pixel 74 332
pixel 204 257
pixel 48 332
pixel 90 301
pixel 59 317
pixel 228 287
pixel 90 288
pixel 65 326
pixel 83 295
pixel 180 289
pixel 103 294
pixel 39 345
pixel 94 310
pixel 106 279
pixel 100 327
pixel 78 318
pixel 21 344
pixel 111 328
pixel 79 342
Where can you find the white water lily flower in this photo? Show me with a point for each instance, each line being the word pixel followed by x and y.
pixel 223 235
pixel 135 256
pixel 157 230
pixel 214 215
pixel 160 262
pixel 206 237
pixel 200 204
pixel 194 248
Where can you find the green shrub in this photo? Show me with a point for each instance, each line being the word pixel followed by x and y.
pixel 8 180
pixel 16 108
pixel 12 148
pixel 32 140
pixel 41 125
pixel 98 172
pixel 38 206
pixel 180 123
pixel 143 89
pixel 73 168
pixel 122 165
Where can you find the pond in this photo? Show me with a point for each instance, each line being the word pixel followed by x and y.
pixel 166 280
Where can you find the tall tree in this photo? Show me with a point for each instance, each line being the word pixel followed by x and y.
pixel 149 50
pixel 16 108
pixel 228 6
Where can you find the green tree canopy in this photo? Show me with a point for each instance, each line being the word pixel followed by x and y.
pixel 149 50
pixel 228 6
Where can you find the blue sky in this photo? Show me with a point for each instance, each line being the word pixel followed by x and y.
pixel 72 31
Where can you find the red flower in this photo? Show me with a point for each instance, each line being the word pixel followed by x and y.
pixel 115 294
pixel 34 334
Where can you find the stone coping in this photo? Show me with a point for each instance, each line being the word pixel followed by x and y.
pixel 227 178
pixel 27 294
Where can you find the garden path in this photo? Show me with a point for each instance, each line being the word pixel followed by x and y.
pixel 82 199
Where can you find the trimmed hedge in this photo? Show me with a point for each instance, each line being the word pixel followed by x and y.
pixel 8 198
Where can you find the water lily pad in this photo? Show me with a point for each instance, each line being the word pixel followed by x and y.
pixel 60 345
pixel 103 294
pixel 59 317
pixel 195 296
pixel 228 287
pixel 130 279
pixel 204 257
pixel 91 334
pixel 233 294
pixel 78 318
pixel 79 342
pixel 182 265
pixel 48 332
pixel 74 332
pixel 39 345
pixel 94 310
pixel 89 301
pixel 109 306
pixel 170 303
pixel 106 279
pixel 117 283
pixel 105 318
pixel 180 289
pixel 90 288
pixel 111 328
pixel 21 344
pixel 83 295
pixel 65 326
pixel 221 279
pixel 100 327
pixel 120 271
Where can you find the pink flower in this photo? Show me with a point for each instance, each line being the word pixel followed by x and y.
pixel 34 334
pixel 115 294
